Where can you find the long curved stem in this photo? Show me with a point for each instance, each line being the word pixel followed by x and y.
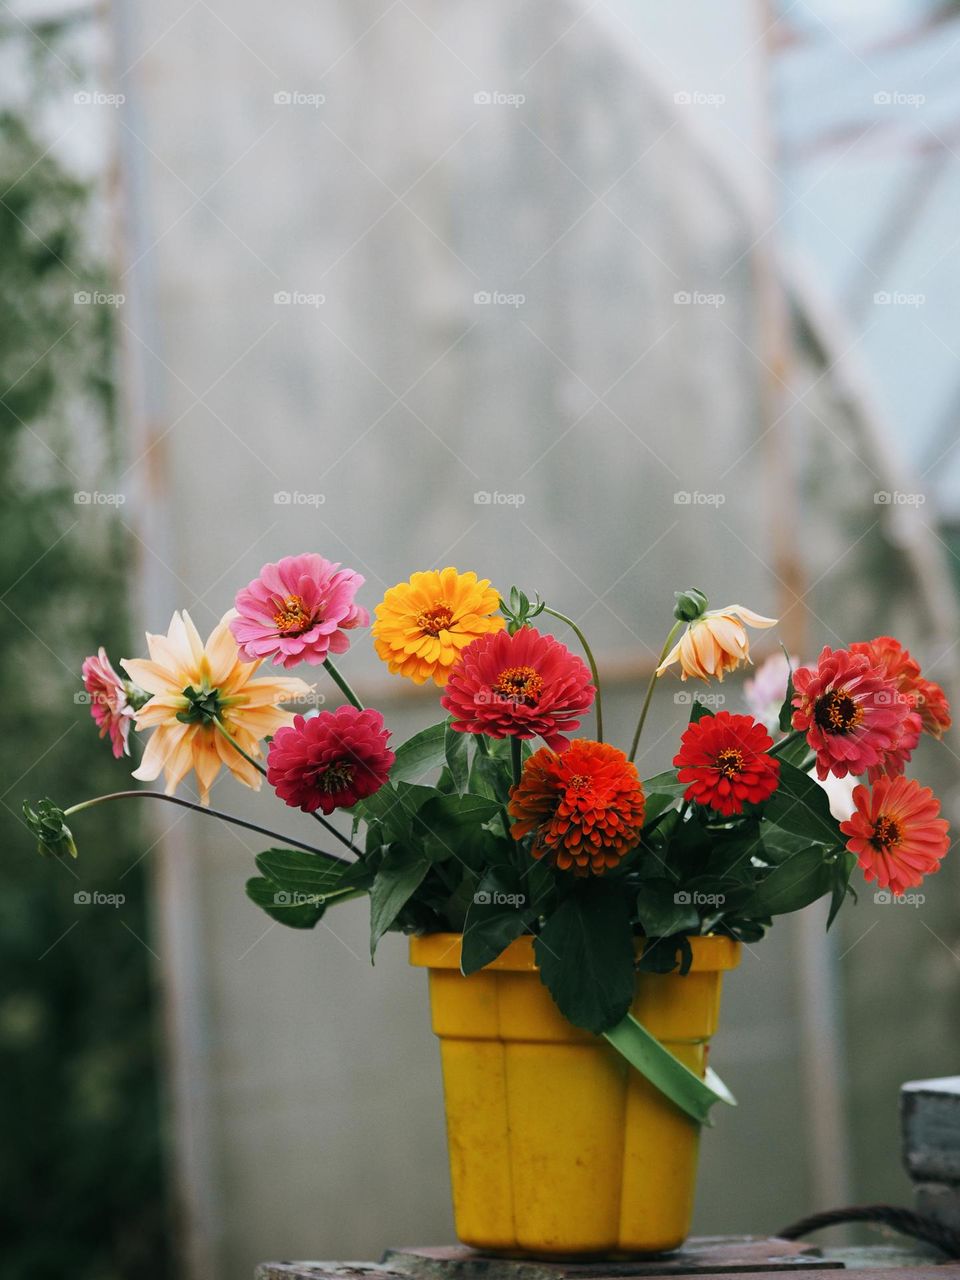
pixel 341 684
pixel 197 808
pixel 598 703
pixel 650 687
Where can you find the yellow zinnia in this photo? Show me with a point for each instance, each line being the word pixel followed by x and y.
pixel 715 643
pixel 422 625
pixel 193 685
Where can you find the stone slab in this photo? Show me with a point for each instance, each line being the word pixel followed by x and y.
pixel 930 1123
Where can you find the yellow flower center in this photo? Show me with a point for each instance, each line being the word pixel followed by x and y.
pixel 579 782
pixel 519 684
pixel 730 762
pixel 837 712
pixel 886 832
pixel 335 777
pixel 292 616
pixel 432 621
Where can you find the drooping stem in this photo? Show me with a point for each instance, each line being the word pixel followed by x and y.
pixel 198 808
pixel 224 732
pixel 598 704
pixel 341 684
pixel 668 643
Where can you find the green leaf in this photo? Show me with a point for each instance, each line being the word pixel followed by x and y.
pixel 399 877
pixel 792 885
pixel 667 1073
pixel 585 955
pixel 419 754
pixel 282 905
pixel 796 753
pixel 499 913
pixel 664 784
pixel 698 710
pixel 786 711
pixel 664 908
pixel 490 777
pixel 394 808
pixel 800 805
pixel 842 870
pixel 443 812
pixel 295 869
pixel 456 755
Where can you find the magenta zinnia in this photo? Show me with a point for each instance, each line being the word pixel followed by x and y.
pixel 520 686
pixel 331 760
pixel 851 714
pixel 298 610
pixel 896 833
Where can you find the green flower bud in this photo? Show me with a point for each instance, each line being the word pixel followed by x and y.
pixel 691 604
pixel 48 823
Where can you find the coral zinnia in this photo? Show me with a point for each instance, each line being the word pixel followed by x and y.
pixel 896 833
pixel 298 610
pixel 518 686
pixel 193 685
pixel 110 703
pixel 422 625
pixel 933 707
pixel 330 761
pixel 724 759
pixel 851 714
pixel 927 699
pixel 715 643
pixel 584 807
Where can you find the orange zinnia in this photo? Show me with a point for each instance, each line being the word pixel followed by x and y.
pixel 896 833
pixel 422 625
pixel 715 643
pixel 584 806
pixel 194 684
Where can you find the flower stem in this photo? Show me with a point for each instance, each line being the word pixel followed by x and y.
pixel 598 704
pixel 650 687
pixel 222 729
pixel 341 684
pixel 788 741
pixel 210 813
pixel 516 759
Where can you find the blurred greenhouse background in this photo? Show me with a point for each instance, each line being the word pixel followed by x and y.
pixel 602 298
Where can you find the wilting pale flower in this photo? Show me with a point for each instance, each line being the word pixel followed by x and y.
pixel 110 703
pixel 714 643
pixel 193 686
pixel 766 689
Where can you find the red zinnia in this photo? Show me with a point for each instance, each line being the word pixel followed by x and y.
pixel 928 706
pixel 331 760
pixel 518 686
pixel 896 833
pixel 584 807
pixel 724 759
pixel 852 715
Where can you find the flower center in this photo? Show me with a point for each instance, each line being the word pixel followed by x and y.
pixel 292 615
pixel 432 621
pixel 335 777
pixel 837 712
pixel 729 762
pixel 886 832
pixel 203 706
pixel 519 684
pixel 579 782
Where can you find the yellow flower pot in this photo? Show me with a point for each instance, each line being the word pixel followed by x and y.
pixel 557 1145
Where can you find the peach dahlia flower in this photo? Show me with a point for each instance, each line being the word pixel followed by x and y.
pixel 192 684
pixel 715 643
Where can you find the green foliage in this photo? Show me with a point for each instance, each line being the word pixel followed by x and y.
pixel 82 1191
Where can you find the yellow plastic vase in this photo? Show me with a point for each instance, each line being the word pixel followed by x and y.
pixel 557 1145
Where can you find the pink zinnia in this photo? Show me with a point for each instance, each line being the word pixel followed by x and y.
pixel 109 704
pixel 331 760
pixel 852 716
pixel 298 610
pixel 896 833
pixel 519 686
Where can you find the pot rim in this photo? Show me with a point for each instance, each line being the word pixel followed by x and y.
pixel 711 952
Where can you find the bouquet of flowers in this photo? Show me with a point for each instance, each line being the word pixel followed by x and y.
pixel 501 819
